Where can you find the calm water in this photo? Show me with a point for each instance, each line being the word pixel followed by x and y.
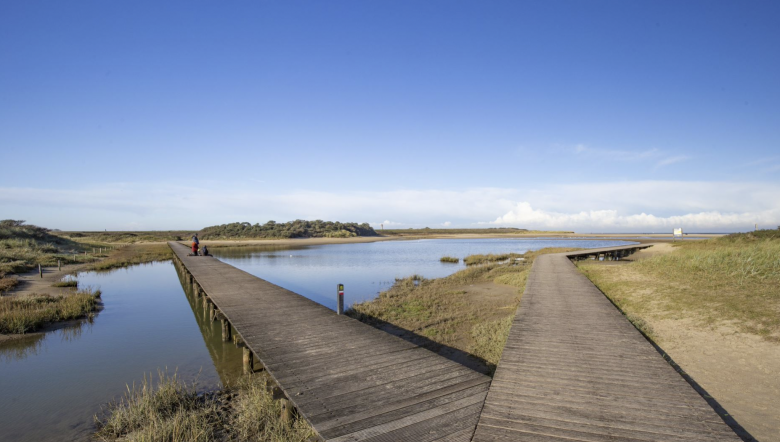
pixel 368 268
pixel 52 385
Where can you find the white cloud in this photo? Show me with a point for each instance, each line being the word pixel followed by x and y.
pixel 672 160
pixel 612 220
pixel 446 223
pixel 601 206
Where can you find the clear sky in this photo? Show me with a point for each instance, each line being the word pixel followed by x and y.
pixel 593 116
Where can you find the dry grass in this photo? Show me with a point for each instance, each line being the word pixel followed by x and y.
pixel 451 259
pixel 484 259
pixel 71 283
pixel 173 411
pixel 443 312
pixel 735 279
pixel 7 283
pixel 23 314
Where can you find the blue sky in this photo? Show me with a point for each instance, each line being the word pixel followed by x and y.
pixel 592 116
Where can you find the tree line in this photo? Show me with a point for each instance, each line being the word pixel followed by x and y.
pixel 293 229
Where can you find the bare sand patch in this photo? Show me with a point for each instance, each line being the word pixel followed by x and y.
pixel 740 370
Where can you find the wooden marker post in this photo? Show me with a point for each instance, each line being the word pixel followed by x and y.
pixel 59 265
pixel 40 270
pixel 286 411
pixel 247 360
pixel 340 300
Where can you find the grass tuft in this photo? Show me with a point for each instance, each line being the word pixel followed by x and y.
pixel 171 410
pixel 28 313
pixel 451 259
pixel 70 283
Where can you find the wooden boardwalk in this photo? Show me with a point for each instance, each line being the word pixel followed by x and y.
pixel 350 381
pixel 574 369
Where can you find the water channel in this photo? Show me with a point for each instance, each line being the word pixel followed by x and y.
pixel 52 384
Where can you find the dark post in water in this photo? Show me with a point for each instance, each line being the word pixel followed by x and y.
pixel 340 300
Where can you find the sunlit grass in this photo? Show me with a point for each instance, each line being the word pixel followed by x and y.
pixel 28 313
pixel 171 410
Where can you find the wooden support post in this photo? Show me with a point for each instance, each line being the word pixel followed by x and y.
pixel 248 360
pixel 212 311
pixel 225 330
pixel 59 265
pixel 40 270
pixel 286 411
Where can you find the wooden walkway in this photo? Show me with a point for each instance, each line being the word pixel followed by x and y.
pixel 574 369
pixel 350 381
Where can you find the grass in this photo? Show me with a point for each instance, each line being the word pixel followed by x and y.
pixel 446 314
pixel 133 254
pixel 128 237
pixel 71 283
pixel 7 283
pixel 23 314
pixel 451 259
pixel 484 259
pixel 173 411
pixel 24 246
pixel 733 280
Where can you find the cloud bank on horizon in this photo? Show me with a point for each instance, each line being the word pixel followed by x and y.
pixel 641 206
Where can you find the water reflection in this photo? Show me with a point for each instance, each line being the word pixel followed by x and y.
pixel 225 355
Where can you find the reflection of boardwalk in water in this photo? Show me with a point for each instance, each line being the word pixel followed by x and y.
pixel 226 358
pixel 575 369
pixel 349 380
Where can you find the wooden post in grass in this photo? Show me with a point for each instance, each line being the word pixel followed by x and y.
pixel 40 270
pixel 59 265
pixel 247 360
pixel 286 411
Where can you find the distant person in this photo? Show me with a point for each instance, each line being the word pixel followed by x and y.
pixel 195 249
pixel 205 251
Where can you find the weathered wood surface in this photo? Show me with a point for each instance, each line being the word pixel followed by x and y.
pixel 350 381
pixel 575 369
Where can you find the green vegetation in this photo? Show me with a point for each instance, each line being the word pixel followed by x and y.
pixel 293 229
pixel 484 259
pixel 23 314
pixel 174 411
pixel 128 237
pixel 731 281
pixel 71 283
pixel 448 311
pixel 488 231
pixel 451 259
pixel 24 246
pixel 133 254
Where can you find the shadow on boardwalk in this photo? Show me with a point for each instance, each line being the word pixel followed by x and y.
pixel 466 359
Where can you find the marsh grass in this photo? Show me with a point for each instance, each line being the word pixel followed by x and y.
pixel 451 259
pixel 490 258
pixel 734 279
pixel 443 312
pixel 28 313
pixel 70 283
pixel 171 410
pixel 133 254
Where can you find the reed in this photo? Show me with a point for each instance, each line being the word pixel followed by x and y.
pixel 28 313
pixel 172 410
